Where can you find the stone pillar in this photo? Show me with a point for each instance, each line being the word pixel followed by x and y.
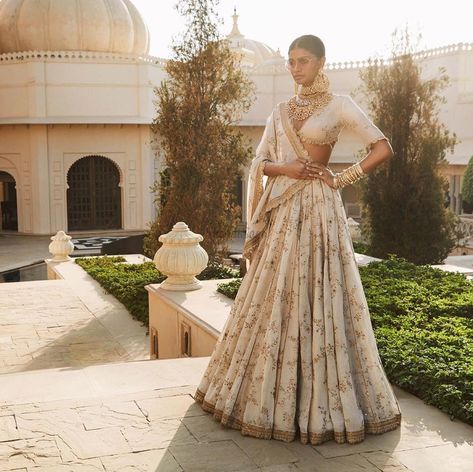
pixel 36 195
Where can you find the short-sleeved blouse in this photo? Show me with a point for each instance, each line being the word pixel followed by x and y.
pixel 341 113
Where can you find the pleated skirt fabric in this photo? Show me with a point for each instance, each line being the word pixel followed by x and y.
pixel 297 356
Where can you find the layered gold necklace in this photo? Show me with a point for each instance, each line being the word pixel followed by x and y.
pixel 310 99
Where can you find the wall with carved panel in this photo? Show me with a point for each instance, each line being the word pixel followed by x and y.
pixel 56 107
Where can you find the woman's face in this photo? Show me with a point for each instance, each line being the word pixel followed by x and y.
pixel 304 66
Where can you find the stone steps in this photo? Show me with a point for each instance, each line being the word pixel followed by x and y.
pixel 98 381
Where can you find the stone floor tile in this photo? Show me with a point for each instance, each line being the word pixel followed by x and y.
pixel 279 468
pixel 159 460
pixel 6 410
pixel 170 407
pixel 309 460
pixel 211 457
pixel 207 429
pixel 352 463
pixel 82 466
pixel 449 457
pixel 265 452
pixel 68 426
pixel 53 422
pixel 23 453
pixel 159 393
pixel 112 414
pixel 67 455
pixel 157 435
pixel 48 326
pixel 97 443
pixel 8 430
pixel 385 461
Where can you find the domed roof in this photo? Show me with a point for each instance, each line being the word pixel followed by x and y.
pixel 112 26
pixel 253 52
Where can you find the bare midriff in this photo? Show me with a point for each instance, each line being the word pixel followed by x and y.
pixel 319 153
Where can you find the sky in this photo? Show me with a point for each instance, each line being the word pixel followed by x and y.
pixel 351 30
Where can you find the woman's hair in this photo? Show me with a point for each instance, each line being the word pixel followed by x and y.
pixel 310 42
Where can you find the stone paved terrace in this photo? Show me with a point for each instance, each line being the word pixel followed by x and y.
pixel 62 408
pixel 140 416
pixel 65 323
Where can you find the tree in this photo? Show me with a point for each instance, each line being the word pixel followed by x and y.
pixel 198 106
pixel 404 199
pixel 467 186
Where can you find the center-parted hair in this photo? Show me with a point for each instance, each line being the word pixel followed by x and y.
pixel 310 42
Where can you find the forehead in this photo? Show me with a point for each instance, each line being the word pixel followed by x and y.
pixel 300 52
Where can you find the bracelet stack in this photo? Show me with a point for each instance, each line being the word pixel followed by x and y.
pixel 348 176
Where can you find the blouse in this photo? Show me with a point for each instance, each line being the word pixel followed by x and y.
pixel 341 113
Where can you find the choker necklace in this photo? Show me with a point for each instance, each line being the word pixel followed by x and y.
pixel 310 99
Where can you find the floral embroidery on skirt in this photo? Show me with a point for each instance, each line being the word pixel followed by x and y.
pixel 298 356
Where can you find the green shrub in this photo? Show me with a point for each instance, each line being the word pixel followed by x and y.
pixel 126 282
pixel 229 289
pixel 423 322
pixel 360 248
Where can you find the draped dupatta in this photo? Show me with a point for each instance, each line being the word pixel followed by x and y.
pixel 279 144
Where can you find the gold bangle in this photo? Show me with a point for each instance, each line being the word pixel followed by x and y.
pixel 348 176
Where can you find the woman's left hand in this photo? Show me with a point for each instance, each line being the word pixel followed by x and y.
pixel 319 171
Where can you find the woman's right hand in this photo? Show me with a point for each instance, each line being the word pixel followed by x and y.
pixel 298 169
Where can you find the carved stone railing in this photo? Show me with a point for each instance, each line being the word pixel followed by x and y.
pixel 352 65
pixel 78 56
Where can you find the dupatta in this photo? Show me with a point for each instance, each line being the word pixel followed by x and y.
pixel 279 144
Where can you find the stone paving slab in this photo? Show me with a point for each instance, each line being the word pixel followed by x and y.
pixel 44 324
pixel 149 422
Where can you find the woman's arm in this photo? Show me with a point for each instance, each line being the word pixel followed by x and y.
pixel 355 119
pixel 296 169
pixel 380 152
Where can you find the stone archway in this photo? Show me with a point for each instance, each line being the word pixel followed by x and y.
pixel 8 202
pixel 93 195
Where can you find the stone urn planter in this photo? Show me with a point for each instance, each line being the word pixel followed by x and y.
pixel 181 258
pixel 61 247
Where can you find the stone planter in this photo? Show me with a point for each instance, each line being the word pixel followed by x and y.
pixel 61 247
pixel 181 258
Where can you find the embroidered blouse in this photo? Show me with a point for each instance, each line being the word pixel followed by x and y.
pixel 281 143
pixel 340 114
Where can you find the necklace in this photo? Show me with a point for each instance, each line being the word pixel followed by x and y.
pixel 310 99
pixel 301 108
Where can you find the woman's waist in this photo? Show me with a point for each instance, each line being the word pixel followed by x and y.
pixel 320 154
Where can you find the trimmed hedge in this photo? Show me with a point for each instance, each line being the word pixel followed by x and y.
pixel 423 322
pixel 126 282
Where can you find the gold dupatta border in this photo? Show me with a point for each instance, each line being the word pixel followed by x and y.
pixel 251 244
pixel 300 153
pixel 259 189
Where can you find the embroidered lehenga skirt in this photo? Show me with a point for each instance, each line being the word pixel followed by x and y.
pixel 298 357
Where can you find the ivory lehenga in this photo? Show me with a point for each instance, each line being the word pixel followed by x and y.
pixel 297 356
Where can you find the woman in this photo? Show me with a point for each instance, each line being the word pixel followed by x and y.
pixel 297 356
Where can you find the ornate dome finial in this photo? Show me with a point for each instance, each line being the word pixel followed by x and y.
pixel 235 31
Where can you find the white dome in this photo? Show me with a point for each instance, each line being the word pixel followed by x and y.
pixel 254 52
pixel 113 26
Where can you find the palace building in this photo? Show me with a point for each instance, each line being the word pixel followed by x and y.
pixel 76 104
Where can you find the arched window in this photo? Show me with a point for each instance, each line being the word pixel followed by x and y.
pixel 8 202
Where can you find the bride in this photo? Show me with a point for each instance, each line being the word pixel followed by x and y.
pixel 297 356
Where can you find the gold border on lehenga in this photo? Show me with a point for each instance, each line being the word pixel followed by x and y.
pixel 340 437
